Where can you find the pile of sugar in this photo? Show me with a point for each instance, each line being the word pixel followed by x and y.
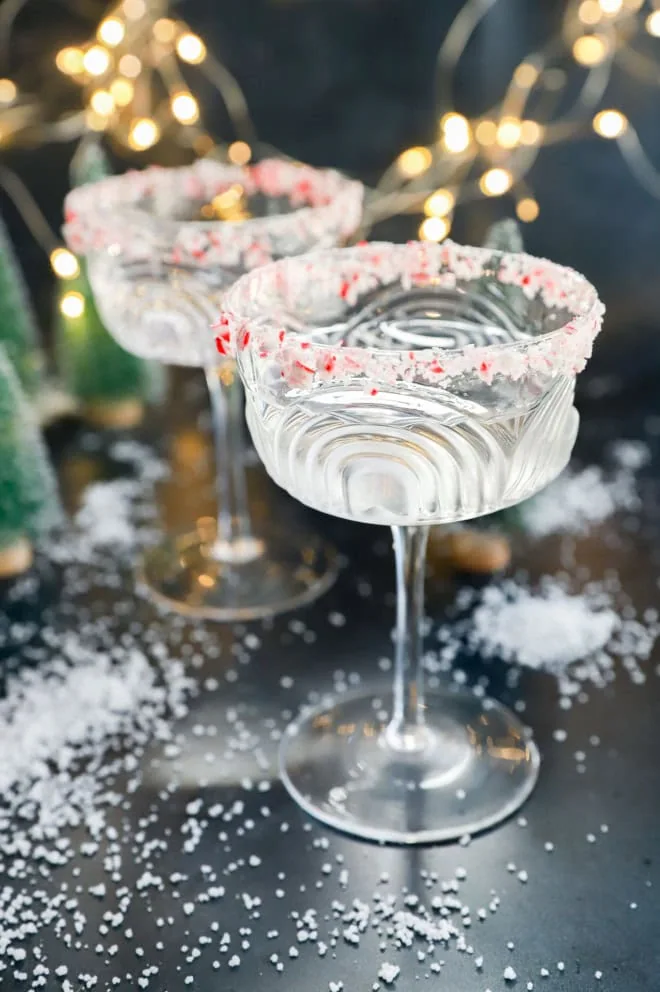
pixel 577 501
pixel 550 630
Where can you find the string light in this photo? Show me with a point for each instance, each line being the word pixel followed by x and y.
pixel 96 60
pixel 590 49
pixel 130 66
pixel 190 48
pixel 440 203
pixel 185 108
pixel 72 305
pixel 239 153
pixel 434 229
pixel 527 209
pixel 64 264
pixel 653 24
pixel 102 102
pixel 496 182
pixel 455 133
pixel 414 162
pixel 122 91
pixel 94 121
pixel 111 31
pixel 610 123
pixel 8 92
pixel 164 30
pixel 70 61
pixel 509 132
pixel 143 134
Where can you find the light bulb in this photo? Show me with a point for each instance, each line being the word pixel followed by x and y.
pixel 122 91
pixel 96 60
pixel 496 182
pixel 440 203
pixel 8 91
pixel 590 12
pixel 611 7
pixel 102 102
pixel 486 132
pixel 653 24
pixel 590 49
pixel 527 209
pixel 239 153
pixel 455 132
pixel 72 305
pixel 531 133
pixel 143 134
pixel 130 66
pixel 111 31
pixel 434 229
pixel 185 108
pixel 508 132
pixel 525 75
pixel 164 30
pixel 414 161
pixel 610 123
pixel 64 264
pixel 70 61
pixel 191 48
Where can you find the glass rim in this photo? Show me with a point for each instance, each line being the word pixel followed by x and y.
pixel 348 272
pixel 107 215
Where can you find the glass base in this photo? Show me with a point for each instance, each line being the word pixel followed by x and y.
pixel 201 576
pixel 475 768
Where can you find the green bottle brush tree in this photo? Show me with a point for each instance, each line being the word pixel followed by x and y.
pixel 29 501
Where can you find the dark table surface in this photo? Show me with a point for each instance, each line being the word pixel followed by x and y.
pixel 589 904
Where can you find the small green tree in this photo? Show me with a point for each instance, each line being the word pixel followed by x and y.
pixel 18 325
pixel 111 384
pixel 29 501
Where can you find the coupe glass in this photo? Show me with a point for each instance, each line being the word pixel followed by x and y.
pixel 411 385
pixel 159 261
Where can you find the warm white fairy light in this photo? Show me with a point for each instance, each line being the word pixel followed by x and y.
pixel 122 91
pixel 70 61
pixel 611 7
pixel 190 48
pixel 130 66
pixel 590 12
pixel 525 75
pixel 134 9
pixel 111 31
pixel 8 92
pixel 610 123
pixel 527 209
pixel 143 134
pixel 185 107
pixel 509 132
pixel 496 182
pixel 590 49
pixel 531 133
pixel 456 134
pixel 164 30
pixel 434 229
pixel 102 102
pixel 64 264
pixel 440 203
pixel 653 23
pixel 414 162
pixel 72 305
pixel 486 133
pixel 96 60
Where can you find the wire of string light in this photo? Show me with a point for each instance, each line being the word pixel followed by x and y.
pixel 492 155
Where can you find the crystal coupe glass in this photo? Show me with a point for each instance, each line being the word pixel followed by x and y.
pixel 159 260
pixel 411 385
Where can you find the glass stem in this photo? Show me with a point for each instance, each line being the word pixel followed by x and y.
pixel 406 730
pixel 226 397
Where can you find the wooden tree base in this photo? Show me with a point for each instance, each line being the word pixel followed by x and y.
pixel 15 559
pixel 120 415
pixel 474 551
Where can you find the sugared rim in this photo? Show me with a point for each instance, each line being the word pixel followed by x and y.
pixel 253 309
pixel 107 215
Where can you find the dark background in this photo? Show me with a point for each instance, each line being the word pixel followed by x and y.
pixel 350 83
